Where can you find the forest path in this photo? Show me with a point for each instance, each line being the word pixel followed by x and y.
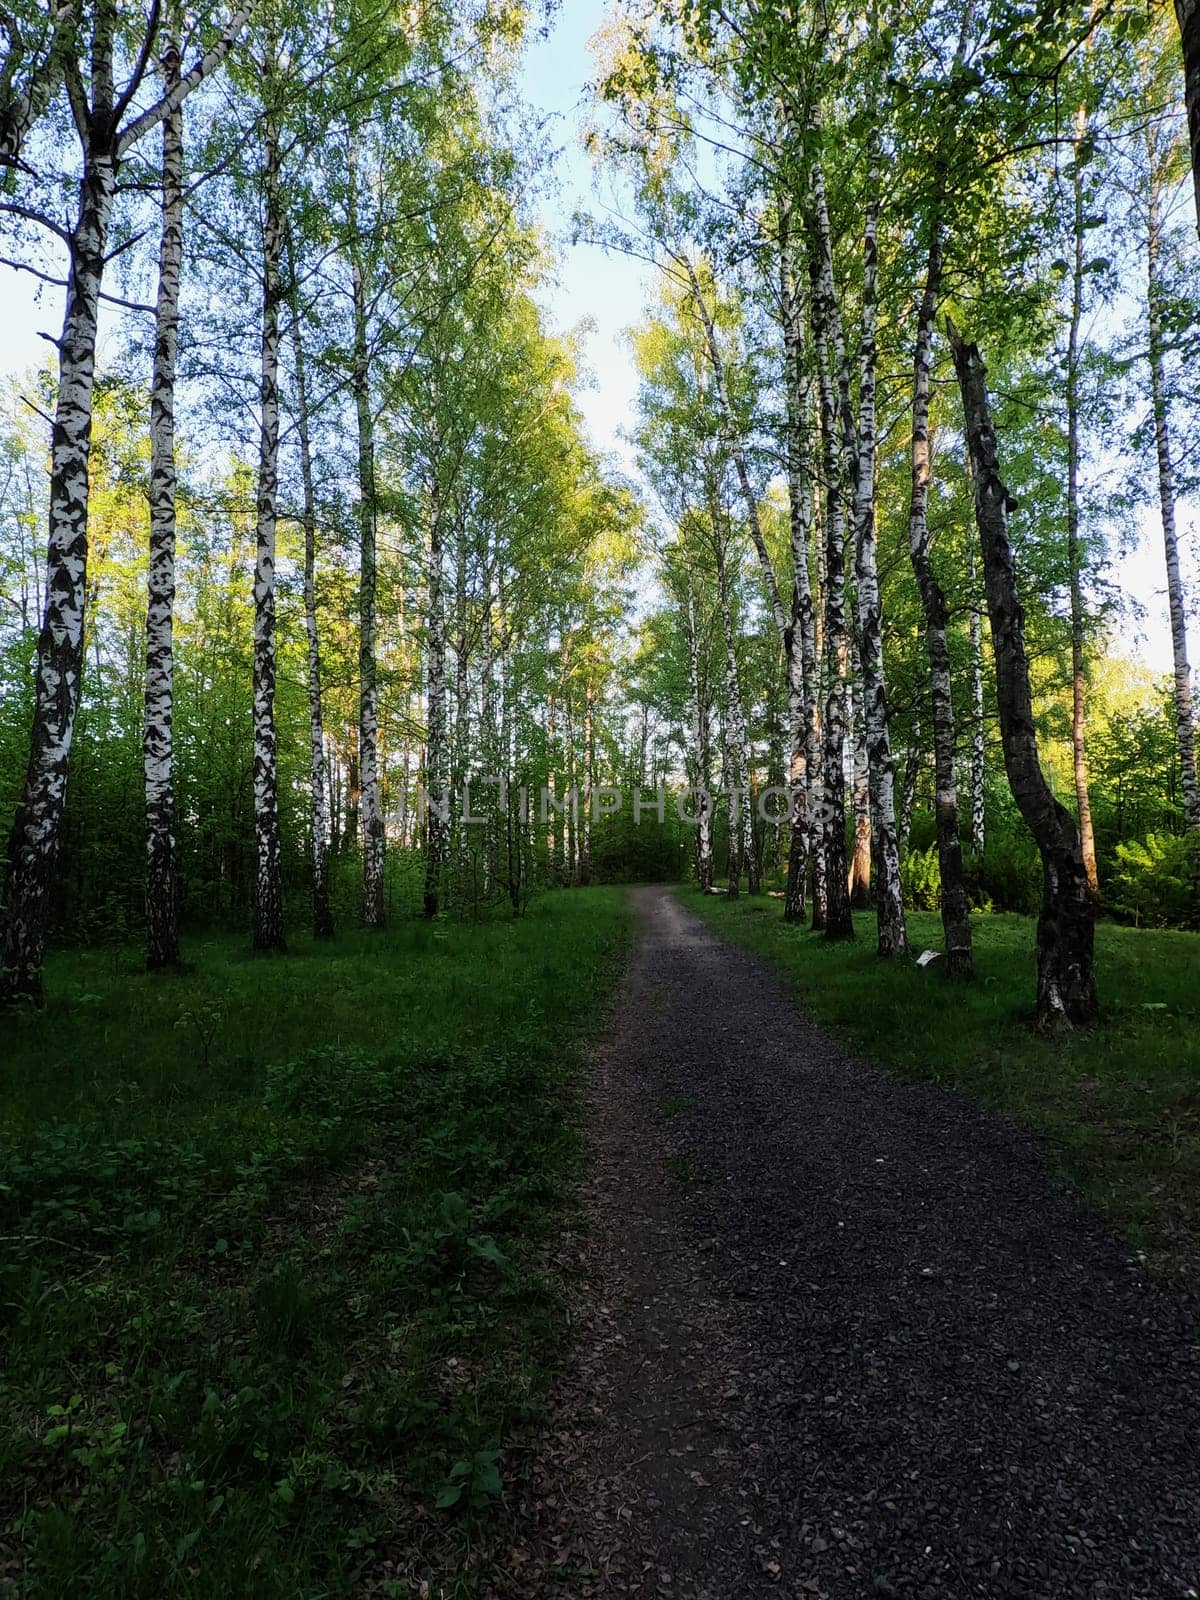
pixel 843 1336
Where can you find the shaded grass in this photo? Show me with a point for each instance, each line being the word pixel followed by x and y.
pixel 1119 1106
pixel 270 1282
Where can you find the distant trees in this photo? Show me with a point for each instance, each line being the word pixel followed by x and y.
pixel 356 179
pixel 989 210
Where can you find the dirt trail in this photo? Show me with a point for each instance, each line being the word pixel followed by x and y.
pixel 842 1336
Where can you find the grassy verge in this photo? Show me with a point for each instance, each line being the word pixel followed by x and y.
pixel 270 1280
pixel 1119 1107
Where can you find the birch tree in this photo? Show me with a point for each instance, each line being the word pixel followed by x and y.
pixel 319 811
pixel 1066 984
pixel 108 130
pixel 162 908
pixel 1157 165
pixel 955 909
pixel 268 877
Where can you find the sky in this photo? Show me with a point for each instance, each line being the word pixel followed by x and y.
pixel 605 290
pixel 602 295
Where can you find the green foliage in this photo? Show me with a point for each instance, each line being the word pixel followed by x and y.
pixel 1005 876
pixel 266 1311
pixel 1156 881
pixel 921 878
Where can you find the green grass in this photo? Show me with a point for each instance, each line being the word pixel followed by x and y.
pixel 1118 1107
pixel 271 1271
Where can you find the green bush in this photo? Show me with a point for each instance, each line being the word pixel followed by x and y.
pixel 1156 882
pixel 921 879
pixel 1005 876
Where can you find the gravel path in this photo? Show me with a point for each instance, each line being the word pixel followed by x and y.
pixel 843 1336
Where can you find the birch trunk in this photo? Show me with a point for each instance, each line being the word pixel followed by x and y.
pixel 268 879
pixel 891 932
pixel 22 107
pixel 1185 722
pixel 839 923
pixel 1066 985
pixel 1187 13
pixel 860 804
pixel 908 796
pixel 800 637
pixel 699 762
pixel 368 695
pixel 319 818
pixel 733 440
pixel 956 919
pixel 741 822
pixel 978 768
pixel 1074 557
pixel 437 823
pixel 585 812
pixel 34 839
pixel 33 842
pixel 162 901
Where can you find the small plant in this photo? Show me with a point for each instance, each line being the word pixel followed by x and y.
pixel 472 1482
pixel 203 1019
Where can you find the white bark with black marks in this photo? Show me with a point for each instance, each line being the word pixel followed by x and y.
pixel 800 637
pixel 830 361
pixel 1074 550
pixel 699 756
pixel 319 818
pixel 1066 983
pixel 268 875
pixel 956 920
pixel 33 842
pixel 978 748
pixel 1185 717
pixel 162 904
pixel 437 824
pixel 368 692
pixel 891 932
pixel 741 818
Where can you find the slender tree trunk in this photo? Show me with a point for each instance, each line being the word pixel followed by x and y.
pixel 956 917
pixel 912 770
pixel 437 797
pixel 860 804
pixel 1187 13
pixel 839 923
pixel 891 932
pixel 1066 985
pixel 699 762
pixel 349 835
pixel 1185 722
pixel 733 441
pixel 319 818
pixel 585 815
pixel 570 820
pixel 162 901
pixel 1074 554
pixel 33 842
pixel 268 881
pixel 741 825
pixel 21 108
pixel 800 637
pixel 551 827
pixel 368 694
pixel 978 766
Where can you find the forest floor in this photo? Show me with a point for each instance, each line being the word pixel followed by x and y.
pixel 842 1334
pixel 273 1238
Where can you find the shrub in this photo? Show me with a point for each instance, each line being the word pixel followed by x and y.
pixel 1156 881
pixel 921 879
